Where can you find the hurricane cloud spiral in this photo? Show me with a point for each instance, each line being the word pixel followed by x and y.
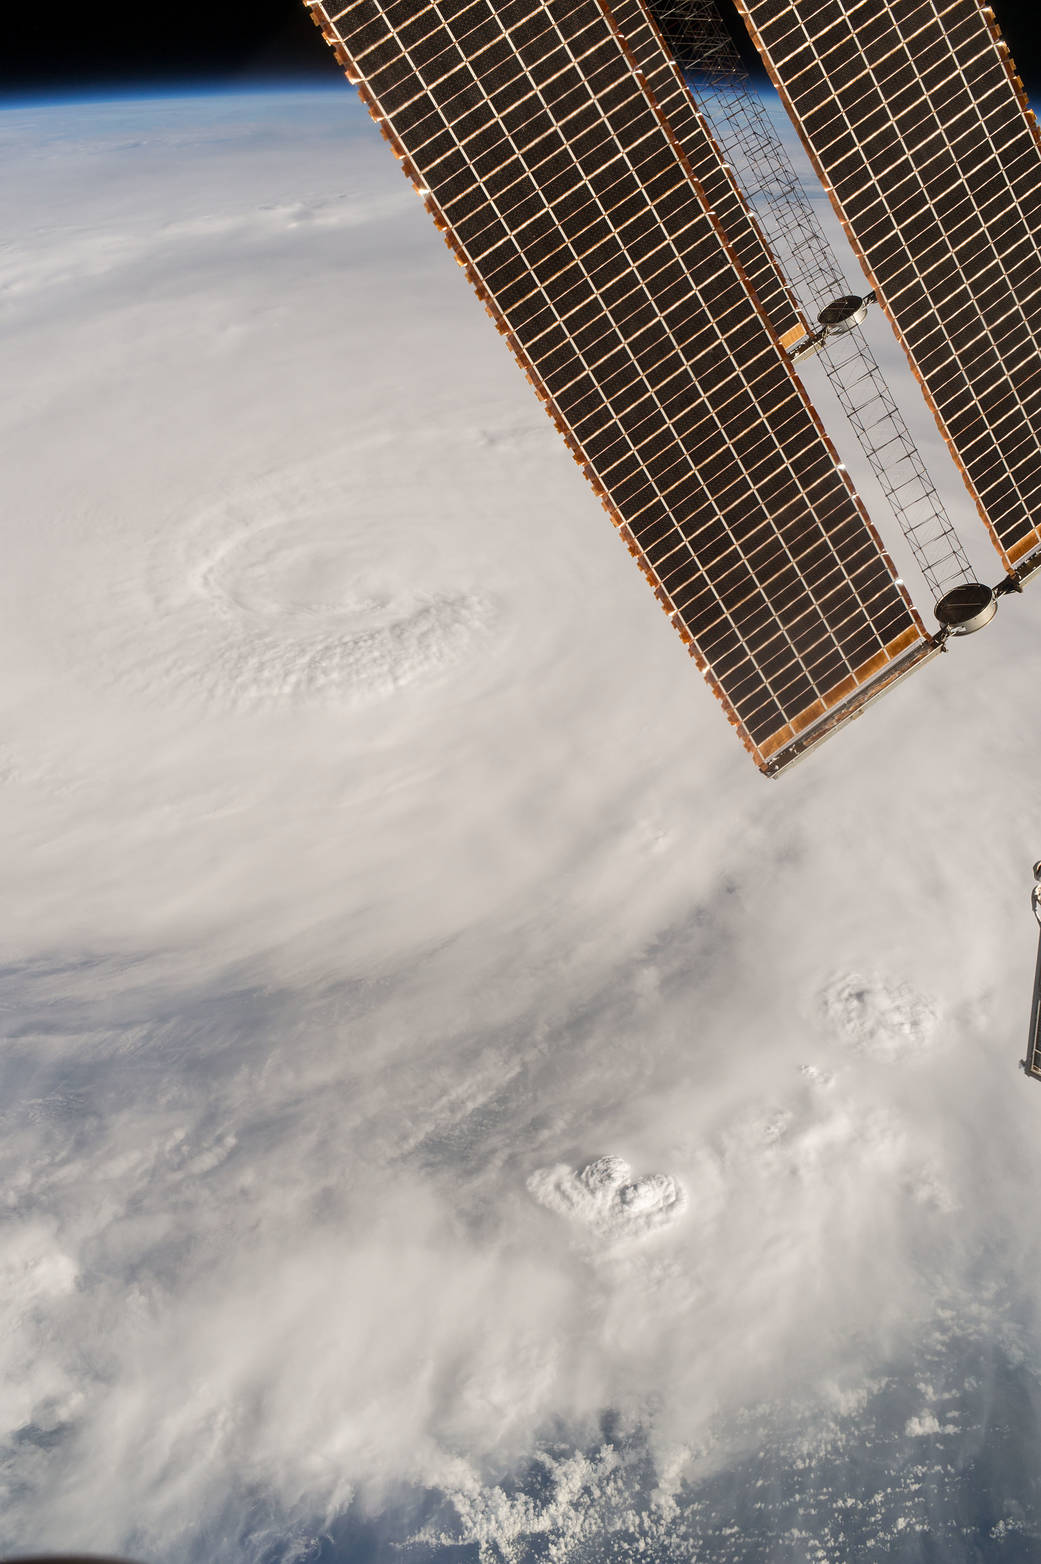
pixel 449 1098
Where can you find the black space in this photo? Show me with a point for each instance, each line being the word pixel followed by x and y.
pixel 189 44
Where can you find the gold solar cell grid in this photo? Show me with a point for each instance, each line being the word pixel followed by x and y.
pixel 586 258
pixel 915 122
pixel 742 230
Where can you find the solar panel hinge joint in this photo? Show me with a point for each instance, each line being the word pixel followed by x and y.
pixel 808 347
pixel 967 607
pixel 845 313
pixel 840 316
pixel 971 605
pixel 1024 571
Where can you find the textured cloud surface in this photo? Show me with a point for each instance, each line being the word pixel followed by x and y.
pixel 447 1095
pixel 605 1198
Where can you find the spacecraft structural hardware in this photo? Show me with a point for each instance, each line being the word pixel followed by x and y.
pixel 920 131
pixel 701 42
pixel 1032 1063
pixel 561 152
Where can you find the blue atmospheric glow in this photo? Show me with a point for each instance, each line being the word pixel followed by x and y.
pixel 143 92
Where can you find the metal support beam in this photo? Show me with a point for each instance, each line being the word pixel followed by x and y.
pixel 1031 1065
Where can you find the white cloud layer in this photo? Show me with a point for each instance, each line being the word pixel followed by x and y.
pixel 446 1092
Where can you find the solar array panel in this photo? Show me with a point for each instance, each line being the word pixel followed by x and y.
pixel 544 155
pixel 708 165
pixel 921 132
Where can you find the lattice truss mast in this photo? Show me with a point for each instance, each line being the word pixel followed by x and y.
pixel 612 187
